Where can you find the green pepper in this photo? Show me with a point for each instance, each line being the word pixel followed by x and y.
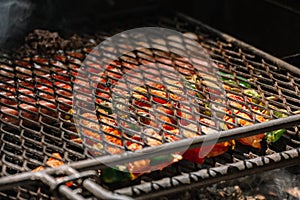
pixel 252 93
pixel 106 107
pixel 161 159
pixel 133 126
pixel 190 85
pixel 227 78
pixel 273 136
pixel 279 114
pixel 117 174
pixel 229 81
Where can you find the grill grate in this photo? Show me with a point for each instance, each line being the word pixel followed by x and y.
pixel 44 128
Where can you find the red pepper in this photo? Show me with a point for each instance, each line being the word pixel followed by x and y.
pixel 185 114
pixel 166 108
pixel 199 154
pixel 158 94
pixel 193 155
pixel 134 146
pixel 253 140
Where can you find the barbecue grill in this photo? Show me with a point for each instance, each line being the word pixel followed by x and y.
pixel 31 136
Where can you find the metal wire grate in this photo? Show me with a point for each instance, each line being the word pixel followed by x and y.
pixel 36 101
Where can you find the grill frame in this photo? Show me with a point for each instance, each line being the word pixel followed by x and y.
pixel 24 178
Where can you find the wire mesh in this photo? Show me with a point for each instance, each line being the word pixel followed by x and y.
pixel 36 105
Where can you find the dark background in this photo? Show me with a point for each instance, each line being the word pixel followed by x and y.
pixel 270 25
pixel 264 24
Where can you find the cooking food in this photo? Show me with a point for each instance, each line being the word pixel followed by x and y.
pixel 35 95
pixel 54 161
pixel 163 108
pixel 158 112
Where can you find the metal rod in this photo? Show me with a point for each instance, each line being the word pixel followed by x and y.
pixel 282 5
pixel 68 193
pixel 193 142
pixel 8 182
pixel 177 146
pixel 214 175
pixel 244 45
pixel 102 193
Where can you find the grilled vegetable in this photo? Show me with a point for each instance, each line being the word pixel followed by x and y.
pixel 254 140
pixel 106 106
pixel 161 159
pixel 228 78
pixel 117 174
pixel 194 155
pixel 252 93
pixel 273 136
pixel 157 106
pixel 244 119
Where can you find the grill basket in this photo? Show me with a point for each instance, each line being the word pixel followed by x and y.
pixel 33 132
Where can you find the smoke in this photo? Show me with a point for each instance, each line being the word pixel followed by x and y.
pixel 276 185
pixel 14 16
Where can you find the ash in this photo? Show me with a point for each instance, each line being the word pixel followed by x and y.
pixel 280 184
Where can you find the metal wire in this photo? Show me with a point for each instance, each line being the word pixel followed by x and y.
pixel 36 98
